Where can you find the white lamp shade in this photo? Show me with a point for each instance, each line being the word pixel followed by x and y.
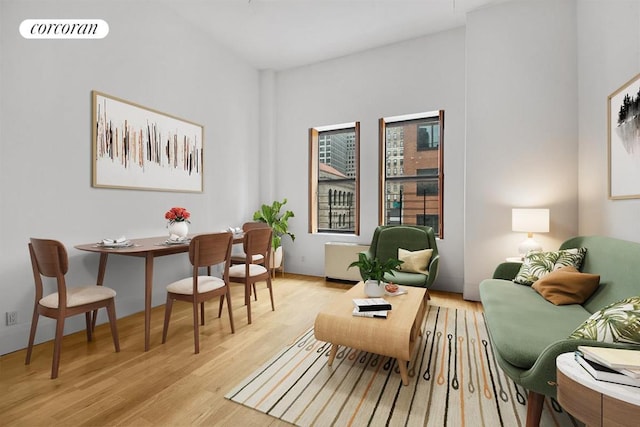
pixel 530 220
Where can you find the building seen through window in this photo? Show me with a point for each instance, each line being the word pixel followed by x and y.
pixel 334 176
pixel 412 170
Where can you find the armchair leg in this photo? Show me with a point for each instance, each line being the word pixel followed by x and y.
pixel 535 403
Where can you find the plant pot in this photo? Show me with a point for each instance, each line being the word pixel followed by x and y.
pixel 373 288
pixel 276 258
pixel 178 229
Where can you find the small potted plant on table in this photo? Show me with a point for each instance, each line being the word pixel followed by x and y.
pixel 372 272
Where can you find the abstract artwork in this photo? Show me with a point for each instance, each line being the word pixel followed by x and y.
pixel 135 147
pixel 624 141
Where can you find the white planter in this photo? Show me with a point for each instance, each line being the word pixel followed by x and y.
pixel 373 288
pixel 276 258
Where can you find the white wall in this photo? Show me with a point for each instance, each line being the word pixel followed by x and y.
pixel 521 129
pixel 608 56
pixel 420 75
pixel 563 58
pixel 150 57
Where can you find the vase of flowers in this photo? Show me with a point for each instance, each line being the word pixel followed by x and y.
pixel 178 222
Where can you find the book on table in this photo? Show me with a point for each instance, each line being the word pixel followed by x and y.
pixel 614 358
pixel 603 373
pixel 379 314
pixel 371 304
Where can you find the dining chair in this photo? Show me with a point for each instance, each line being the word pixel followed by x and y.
pixel 256 241
pixel 256 259
pixel 49 259
pixel 205 250
pixel 241 257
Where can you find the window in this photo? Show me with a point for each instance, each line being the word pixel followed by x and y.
pixel 333 180
pixel 413 193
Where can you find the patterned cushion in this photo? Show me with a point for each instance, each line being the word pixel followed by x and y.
pixel 616 323
pixel 538 264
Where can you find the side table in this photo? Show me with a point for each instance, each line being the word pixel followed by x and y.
pixel 594 402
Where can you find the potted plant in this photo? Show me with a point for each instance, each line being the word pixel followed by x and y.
pixel 372 271
pixel 279 223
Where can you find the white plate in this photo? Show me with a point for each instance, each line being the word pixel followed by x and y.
pixel 124 244
pixel 177 242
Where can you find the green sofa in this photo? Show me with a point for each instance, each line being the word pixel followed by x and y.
pixel 388 238
pixel 528 332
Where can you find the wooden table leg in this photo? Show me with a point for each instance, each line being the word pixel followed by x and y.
pixel 148 291
pixel 332 353
pixel 402 364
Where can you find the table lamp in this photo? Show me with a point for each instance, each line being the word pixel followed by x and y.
pixel 530 221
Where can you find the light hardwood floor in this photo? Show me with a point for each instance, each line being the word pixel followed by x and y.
pixel 169 385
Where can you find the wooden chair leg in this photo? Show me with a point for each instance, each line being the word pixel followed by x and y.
pixel 535 403
pixel 167 316
pixel 32 335
pixel 247 300
pixel 94 319
pixel 273 307
pixel 88 321
pixel 202 313
pixel 222 304
pixel 233 330
pixel 111 313
pixel 196 328
pixel 57 344
pixel 255 293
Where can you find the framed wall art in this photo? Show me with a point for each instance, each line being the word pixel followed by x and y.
pixel 623 111
pixel 136 147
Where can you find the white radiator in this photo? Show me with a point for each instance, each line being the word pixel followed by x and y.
pixel 338 256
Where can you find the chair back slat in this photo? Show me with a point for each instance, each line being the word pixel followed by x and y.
pixel 211 249
pixel 253 225
pixel 258 242
pixel 51 257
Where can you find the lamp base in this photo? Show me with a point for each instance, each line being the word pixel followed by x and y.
pixel 529 245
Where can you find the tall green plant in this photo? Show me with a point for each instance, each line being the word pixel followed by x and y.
pixel 279 222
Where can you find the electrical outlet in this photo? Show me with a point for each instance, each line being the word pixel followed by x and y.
pixel 12 318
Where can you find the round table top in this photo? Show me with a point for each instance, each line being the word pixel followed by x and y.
pixel 567 364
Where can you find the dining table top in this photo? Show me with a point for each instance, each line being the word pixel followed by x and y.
pixel 159 245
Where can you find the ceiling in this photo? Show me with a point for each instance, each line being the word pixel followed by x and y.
pixel 281 34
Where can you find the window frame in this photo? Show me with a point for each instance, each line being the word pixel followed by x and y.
pixel 314 172
pixel 382 163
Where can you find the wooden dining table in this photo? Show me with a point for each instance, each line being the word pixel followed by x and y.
pixel 148 248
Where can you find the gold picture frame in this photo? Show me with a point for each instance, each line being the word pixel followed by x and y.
pixel 623 141
pixel 139 148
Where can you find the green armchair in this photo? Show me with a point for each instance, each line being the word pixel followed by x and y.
pixel 386 241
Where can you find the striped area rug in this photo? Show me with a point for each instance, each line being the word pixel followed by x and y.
pixel 454 381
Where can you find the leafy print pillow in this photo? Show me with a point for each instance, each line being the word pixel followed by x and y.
pixel 616 323
pixel 538 264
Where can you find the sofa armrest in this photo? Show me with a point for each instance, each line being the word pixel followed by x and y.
pixel 507 270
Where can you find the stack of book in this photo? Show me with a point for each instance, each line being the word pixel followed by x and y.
pixel 613 365
pixel 371 307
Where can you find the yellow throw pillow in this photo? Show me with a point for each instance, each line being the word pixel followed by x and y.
pixel 415 262
pixel 567 286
